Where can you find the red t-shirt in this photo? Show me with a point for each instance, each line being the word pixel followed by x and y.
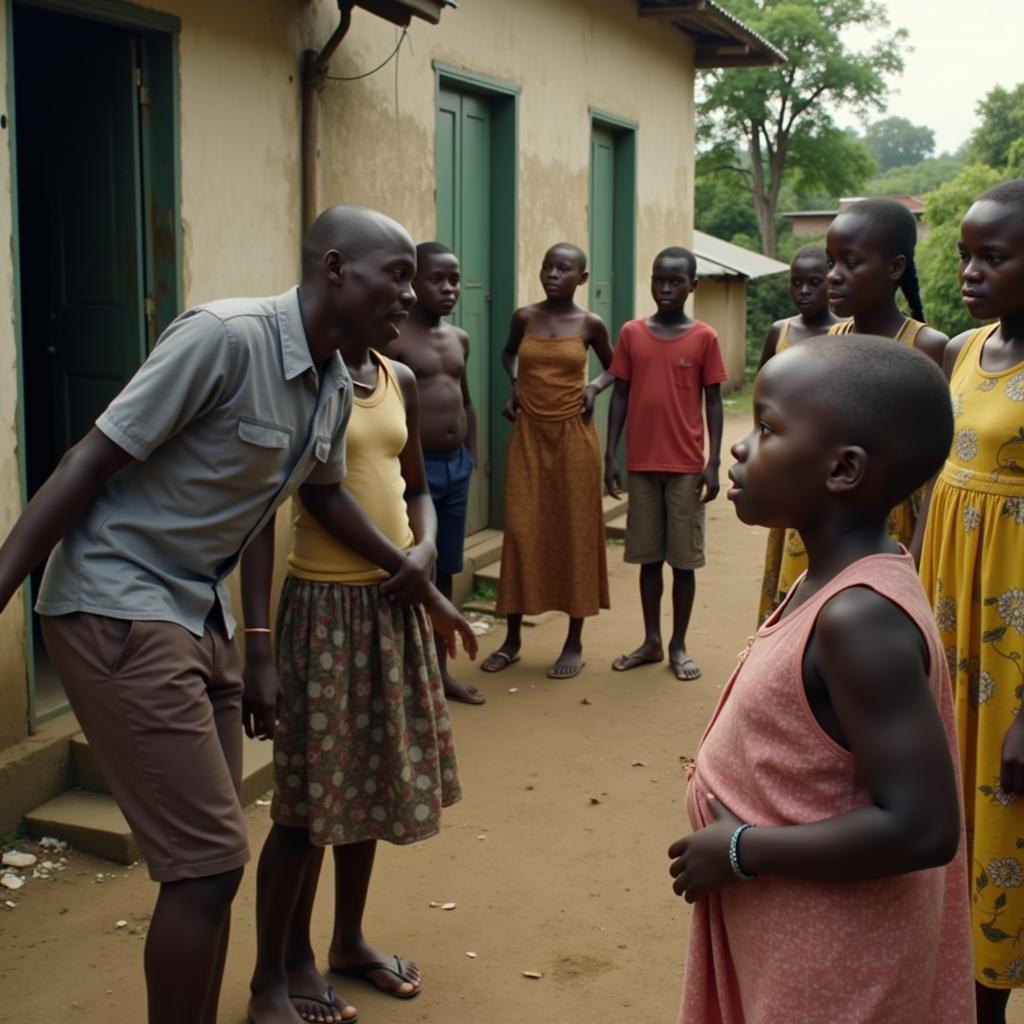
pixel 665 423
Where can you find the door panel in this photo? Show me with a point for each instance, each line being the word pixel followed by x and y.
pixel 96 334
pixel 464 200
pixel 602 246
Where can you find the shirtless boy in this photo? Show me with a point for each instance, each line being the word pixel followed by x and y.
pixel 437 353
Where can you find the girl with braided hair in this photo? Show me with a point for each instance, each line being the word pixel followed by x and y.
pixel 870 248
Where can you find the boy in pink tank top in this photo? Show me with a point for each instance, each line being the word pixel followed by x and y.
pixel 827 862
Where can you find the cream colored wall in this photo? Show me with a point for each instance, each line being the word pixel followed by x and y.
pixel 377 135
pixel 723 304
pixel 240 172
pixel 13 691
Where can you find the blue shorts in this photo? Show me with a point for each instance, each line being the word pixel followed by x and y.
pixel 448 477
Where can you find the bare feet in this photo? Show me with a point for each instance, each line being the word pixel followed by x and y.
pixel 569 663
pixel 454 690
pixel 390 974
pixel 684 667
pixel 646 654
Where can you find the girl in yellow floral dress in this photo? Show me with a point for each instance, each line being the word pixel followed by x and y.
pixel 870 249
pixel 809 291
pixel 972 566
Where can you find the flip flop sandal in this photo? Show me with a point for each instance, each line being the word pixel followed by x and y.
pixel 328 1001
pixel 505 659
pixel 679 666
pixel 362 972
pixel 473 691
pixel 552 674
pixel 626 662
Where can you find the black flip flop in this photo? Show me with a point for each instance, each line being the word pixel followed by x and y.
pixel 362 972
pixel 327 1000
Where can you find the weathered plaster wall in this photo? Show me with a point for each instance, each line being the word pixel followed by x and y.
pixel 13 691
pixel 723 304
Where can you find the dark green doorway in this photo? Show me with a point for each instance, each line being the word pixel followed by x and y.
pixel 96 202
pixel 475 159
pixel 612 232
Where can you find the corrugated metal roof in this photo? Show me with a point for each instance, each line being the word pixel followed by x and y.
pixel 722 40
pixel 718 258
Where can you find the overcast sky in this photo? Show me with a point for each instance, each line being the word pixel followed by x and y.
pixel 960 51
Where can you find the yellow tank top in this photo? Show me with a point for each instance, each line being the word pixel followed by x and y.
pixel 374 440
pixel 907 333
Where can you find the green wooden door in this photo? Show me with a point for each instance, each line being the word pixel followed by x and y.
pixel 464 223
pixel 96 325
pixel 602 246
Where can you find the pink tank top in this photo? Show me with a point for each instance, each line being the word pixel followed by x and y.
pixel 895 951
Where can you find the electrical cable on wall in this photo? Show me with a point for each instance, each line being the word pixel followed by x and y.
pixel 366 74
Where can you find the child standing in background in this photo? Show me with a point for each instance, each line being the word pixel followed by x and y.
pixel 438 354
pixel 871 254
pixel 828 863
pixel 553 555
pixel 664 366
pixel 808 288
pixel 972 566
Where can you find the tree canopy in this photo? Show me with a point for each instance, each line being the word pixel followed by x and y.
pixel 898 142
pixel 781 117
pixel 1001 124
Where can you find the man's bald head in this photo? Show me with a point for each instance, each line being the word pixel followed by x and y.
pixel 353 231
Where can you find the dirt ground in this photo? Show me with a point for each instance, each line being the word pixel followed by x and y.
pixel 555 859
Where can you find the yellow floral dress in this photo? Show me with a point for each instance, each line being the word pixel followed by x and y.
pixel 972 566
pixel 902 519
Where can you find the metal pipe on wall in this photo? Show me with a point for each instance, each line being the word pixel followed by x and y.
pixel 314 65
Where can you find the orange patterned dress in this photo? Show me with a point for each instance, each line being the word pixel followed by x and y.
pixel 553 556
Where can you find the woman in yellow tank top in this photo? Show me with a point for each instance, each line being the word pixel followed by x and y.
pixel 870 249
pixel 809 291
pixel 363 750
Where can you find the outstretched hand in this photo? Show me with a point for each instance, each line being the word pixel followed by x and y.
pixel 261 696
pixel 700 862
pixel 449 624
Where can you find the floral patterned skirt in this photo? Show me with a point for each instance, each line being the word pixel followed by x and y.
pixel 972 567
pixel 364 747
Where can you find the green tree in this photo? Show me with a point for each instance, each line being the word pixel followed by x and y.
pixel 781 116
pixel 897 142
pixel 937 254
pixel 917 179
pixel 1002 123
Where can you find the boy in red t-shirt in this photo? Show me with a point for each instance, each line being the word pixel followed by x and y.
pixel 663 365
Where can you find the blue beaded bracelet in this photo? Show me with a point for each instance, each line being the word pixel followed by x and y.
pixel 734 853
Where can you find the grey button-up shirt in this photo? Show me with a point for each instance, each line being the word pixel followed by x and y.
pixel 225 419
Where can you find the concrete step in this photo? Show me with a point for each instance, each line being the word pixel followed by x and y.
pixel 257 768
pixel 89 819
pixel 616 528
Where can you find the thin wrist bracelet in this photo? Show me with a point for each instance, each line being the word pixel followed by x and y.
pixel 734 853
pixel 257 629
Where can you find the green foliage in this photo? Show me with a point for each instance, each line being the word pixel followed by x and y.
pixel 917 179
pixel 897 142
pixel 1001 115
pixel 937 253
pixel 721 207
pixel 781 117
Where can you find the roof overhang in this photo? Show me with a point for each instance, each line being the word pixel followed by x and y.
pixel 719 258
pixel 720 39
pixel 401 12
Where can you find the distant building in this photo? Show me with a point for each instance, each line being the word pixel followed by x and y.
pixel 723 270
pixel 814 223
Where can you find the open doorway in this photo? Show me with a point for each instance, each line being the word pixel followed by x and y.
pixel 97 233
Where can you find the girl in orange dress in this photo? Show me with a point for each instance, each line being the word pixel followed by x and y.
pixel 553 555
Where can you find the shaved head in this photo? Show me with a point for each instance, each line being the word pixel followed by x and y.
pixel 574 251
pixel 878 394
pixel 353 231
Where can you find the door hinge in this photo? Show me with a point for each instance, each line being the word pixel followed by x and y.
pixel 143 89
pixel 150 307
